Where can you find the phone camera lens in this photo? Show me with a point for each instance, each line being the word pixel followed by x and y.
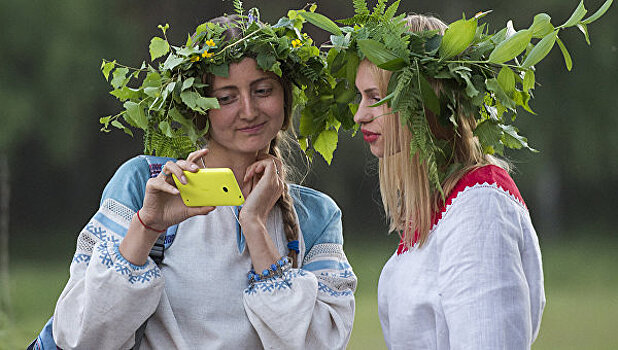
pixel 225 189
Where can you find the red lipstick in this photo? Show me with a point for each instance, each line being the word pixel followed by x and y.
pixel 369 136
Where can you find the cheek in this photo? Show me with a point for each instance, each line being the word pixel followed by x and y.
pixel 219 122
pixel 275 110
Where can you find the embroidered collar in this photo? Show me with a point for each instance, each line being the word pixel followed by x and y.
pixel 489 174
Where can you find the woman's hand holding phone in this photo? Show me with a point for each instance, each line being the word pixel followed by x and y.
pixel 163 207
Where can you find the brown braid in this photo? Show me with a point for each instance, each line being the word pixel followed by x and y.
pixel 286 203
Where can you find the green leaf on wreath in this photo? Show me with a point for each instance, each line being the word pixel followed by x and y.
pixel 540 50
pixel 541 25
pixel 511 47
pixel 489 134
pixel 158 47
pixel 119 77
pixel 376 52
pixel 322 22
pixel 457 37
pixel 120 126
pixel 576 17
pixel 326 144
pixel 506 79
pixel 430 99
pixel 600 12
pixel 106 68
pixel 135 115
pixel 565 53
pixel 529 79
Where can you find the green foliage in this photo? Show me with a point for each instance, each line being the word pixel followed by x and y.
pixel 540 50
pixel 323 22
pixel 168 98
pixel 360 7
pixel 158 47
pixel 489 76
pixel 511 47
pixel 600 12
pixel 457 37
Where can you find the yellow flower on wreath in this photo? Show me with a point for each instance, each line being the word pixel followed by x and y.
pixel 195 58
pixel 210 43
pixel 296 43
pixel 207 54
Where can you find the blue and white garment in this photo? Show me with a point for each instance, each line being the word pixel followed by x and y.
pixel 199 297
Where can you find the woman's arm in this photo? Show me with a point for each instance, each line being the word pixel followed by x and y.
pixel 114 287
pixel 107 298
pixel 485 283
pixel 311 307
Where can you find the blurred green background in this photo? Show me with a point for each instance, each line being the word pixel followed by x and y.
pixel 56 162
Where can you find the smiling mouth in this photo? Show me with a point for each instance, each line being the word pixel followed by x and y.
pixel 252 128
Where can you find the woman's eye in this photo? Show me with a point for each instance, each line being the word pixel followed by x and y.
pixel 263 91
pixel 225 99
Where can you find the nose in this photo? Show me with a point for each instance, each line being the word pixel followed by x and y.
pixel 248 109
pixel 363 114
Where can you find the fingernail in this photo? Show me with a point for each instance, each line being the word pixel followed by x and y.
pixel 183 179
pixel 194 167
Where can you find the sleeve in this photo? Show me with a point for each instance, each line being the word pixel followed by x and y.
pixel 107 298
pixel 311 307
pixel 486 280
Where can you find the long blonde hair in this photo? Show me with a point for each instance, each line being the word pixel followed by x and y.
pixel 410 202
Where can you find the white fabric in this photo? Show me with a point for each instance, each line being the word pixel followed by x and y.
pixel 199 297
pixel 477 282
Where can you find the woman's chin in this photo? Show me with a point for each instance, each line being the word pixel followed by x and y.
pixel 376 151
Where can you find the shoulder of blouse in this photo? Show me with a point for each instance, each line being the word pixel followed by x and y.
pixel 128 183
pixel 318 215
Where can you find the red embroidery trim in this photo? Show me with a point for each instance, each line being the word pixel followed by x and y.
pixel 490 174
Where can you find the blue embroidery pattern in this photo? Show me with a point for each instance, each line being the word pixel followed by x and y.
pixel 99 232
pixel 346 274
pixel 326 289
pixel 343 274
pixel 110 257
pixel 106 259
pixel 169 239
pixel 275 284
pixel 77 258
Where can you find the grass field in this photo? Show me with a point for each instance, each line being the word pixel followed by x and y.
pixel 581 287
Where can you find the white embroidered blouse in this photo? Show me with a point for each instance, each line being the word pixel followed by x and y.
pixel 200 298
pixel 477 282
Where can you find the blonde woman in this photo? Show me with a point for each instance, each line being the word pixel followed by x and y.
pixel 467 273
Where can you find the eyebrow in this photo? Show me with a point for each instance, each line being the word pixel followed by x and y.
pixel 370 90
pixel 252 83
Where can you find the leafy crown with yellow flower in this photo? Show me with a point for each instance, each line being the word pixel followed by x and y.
pixel 165 97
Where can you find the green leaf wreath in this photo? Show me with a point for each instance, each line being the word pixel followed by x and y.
pixel 165 97
pixel 489 76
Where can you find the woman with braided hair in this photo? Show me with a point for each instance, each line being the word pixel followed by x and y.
pixel 270 274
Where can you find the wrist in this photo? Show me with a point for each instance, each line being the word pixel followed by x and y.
pixel 146 221
pixel 249 224
pixel 136 244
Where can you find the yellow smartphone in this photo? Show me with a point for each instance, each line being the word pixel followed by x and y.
pixel 210 187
